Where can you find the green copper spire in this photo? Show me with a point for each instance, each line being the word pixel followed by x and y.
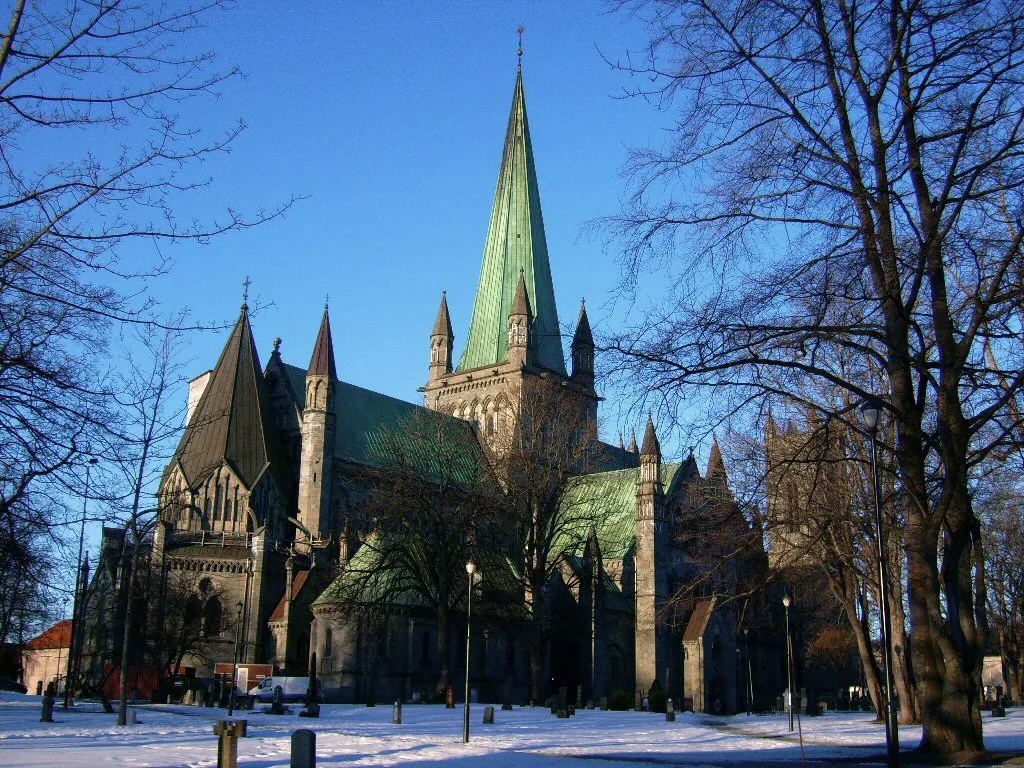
pixel 515 242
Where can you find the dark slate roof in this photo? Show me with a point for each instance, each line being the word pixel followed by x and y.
pixel 583 335
pixel 57 636
pixel 322 362
pixel 443 324
pixel 298 584
pixel 515 243
pixel 521 303
pixel 232 421
pixel 698 624
pixel 716 467
pixel 367 422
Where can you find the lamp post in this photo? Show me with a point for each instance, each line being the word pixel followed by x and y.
pixel 750 678
pixel 78 608
pixel 871 411
pixel 786 602
pixel 234 662
pixel 470 569
pixel 60 646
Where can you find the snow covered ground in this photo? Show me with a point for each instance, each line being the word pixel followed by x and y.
pixel 431 736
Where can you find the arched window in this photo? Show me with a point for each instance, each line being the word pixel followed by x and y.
pixel 212 617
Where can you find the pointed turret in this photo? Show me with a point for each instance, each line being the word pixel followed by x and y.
pixel 632 443
pixel 515 245
pixel 716 467
pixel 622 445
pixel 651 446
pixel 318 422
pixel 519 326
pixel 441 341
pixel 232 421
pixel 322 362
pixel 583 349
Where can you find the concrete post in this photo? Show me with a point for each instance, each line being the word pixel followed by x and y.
pixel 303 749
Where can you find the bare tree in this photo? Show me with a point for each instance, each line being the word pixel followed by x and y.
pixel 853 180
pixel 429 509
pixel 99 85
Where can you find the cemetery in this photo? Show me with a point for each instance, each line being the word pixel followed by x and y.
pixel 171 735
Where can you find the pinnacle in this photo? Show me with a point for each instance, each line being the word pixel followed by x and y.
pixel 651 446
pixel 443 324
pixel 322 362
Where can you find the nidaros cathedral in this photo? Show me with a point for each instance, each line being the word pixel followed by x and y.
pixel 259 503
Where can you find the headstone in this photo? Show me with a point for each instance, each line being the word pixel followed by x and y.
pixel 396 713
pixel 670 711
pixel 227 744
pixel 998 711
pixel 506 698
pixel 303 749
pixel 449 698
pixel 488 715
pixel 187 698
pixel 312 692
pixel 572 709
pixel 130 716
pixel 277 705
pixel 135 695
pixel 579 696
pixel 563 714
pixel 39 687
pixel 48 699
pixel 590 703
pixel 604 703
pixel 646 704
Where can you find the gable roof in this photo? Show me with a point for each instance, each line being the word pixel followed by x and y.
pixel 57 636
pixel 298 583
pixel 232 420
pixel 515 243
pixel 699 619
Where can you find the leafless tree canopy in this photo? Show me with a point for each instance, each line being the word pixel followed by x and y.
pixel 843 191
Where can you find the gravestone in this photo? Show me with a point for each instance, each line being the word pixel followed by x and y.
pixel 604 703
pixel 130 716
pixel 579 696
pixel 396 713
pixel 506 699
pixel 563 714
pixel 998 711
pixel 312 692
pixel 227 743
pixel 187 698
pixel 39 688
pixel 48 699
pixel 488 715
pixel 277 705
pixel 449 699
pixel 572 709
pixel 590 703
pixel 670 711
pixel 303 749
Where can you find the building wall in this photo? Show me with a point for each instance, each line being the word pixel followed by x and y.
pixel 43 666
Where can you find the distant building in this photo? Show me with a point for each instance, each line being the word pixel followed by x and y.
pixel 259 503
pixel 44 659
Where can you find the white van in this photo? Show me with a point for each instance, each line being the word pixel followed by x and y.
pixel 292 688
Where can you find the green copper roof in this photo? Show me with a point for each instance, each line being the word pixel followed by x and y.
pixel 515 241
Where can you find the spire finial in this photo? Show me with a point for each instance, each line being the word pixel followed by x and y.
pixel 277 345
pixel 327 301
pixel 245 292
pixel 519 52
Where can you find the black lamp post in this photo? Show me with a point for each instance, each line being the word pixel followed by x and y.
pixel 786 602
pixel 234 663
pixel 871 412
pixel 470 570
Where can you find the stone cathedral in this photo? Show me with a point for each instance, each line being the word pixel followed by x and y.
pixel 259 501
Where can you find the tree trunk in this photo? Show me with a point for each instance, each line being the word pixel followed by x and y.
pixel 909 713
pixel 849 594
pixel 122 706
pixel 444 661
pixel 536 662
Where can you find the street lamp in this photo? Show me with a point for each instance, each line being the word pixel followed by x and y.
pixel 470 570
pixel 750 677
pixel 234 663
pixel 78 609
pixel 870 412
pixel 786 602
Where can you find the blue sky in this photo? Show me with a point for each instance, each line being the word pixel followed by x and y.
pixel 388 119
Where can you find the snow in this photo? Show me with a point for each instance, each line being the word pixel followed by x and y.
pixel 169 736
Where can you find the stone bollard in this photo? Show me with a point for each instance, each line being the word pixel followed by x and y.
pixel 130 716
pixel 303 749
pixel 227 746
pixel 396 713
pixel 48 700
pixel 488 715
pixel 670 711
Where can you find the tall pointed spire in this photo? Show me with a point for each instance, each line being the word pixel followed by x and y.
pixel 322 361
pixel 515 243
pixel 443 324
pixel 632 443
pixel 651 446
pixel 232 421
pixel 716 467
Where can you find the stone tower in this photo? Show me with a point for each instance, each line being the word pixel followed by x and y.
pixel 583 366
pixel 649 557
pixel 514 335
pixel 318 422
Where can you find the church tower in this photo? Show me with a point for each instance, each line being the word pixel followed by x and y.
pixel 514 335
pixel 318 422
pixel 583 366
pixel 649 558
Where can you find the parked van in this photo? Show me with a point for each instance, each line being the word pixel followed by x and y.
pixel 292 688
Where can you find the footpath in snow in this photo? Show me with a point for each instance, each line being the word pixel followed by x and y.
pixel 169 736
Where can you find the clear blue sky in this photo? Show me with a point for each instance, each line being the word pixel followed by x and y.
pixel 389 119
